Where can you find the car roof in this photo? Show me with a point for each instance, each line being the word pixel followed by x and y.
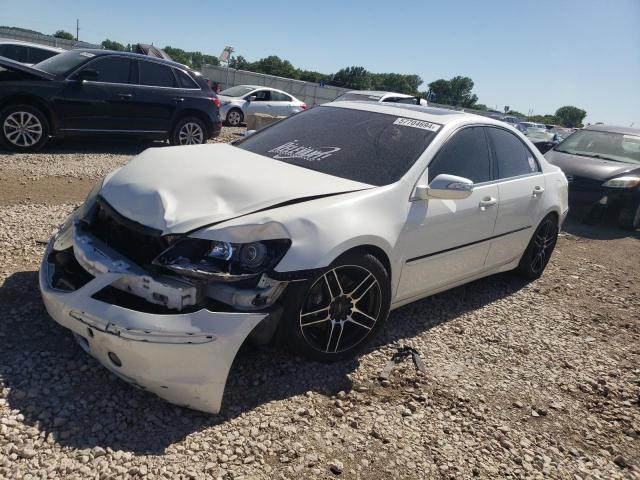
pixel 377 92
pixel 31 44
pixel 441 116
pixel 98 52
pixel 614 129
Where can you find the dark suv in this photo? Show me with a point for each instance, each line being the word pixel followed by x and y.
pixel 101 92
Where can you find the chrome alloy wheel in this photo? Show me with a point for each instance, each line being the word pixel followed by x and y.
pixel 23 129
pixel 341 309
pixel 544 241
pixel 191 134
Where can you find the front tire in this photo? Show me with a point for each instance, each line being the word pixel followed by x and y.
pixel 23 128
pixel 541 246
pixel 333 316
pixel 629 217
pixel 189 131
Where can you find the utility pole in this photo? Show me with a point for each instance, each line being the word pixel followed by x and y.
pixel 77 28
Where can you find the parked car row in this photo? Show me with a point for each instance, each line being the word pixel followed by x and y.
pixel 102 92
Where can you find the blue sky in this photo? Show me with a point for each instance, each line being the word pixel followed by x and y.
pixel 536 55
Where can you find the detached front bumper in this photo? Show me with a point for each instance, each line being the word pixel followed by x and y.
pixel 183 358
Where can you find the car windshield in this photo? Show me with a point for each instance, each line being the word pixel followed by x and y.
pixel 237 91
pixel 605 145
pixel 373 148
pixel 65 62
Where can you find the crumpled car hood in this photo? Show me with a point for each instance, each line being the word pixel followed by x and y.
pixel 179 189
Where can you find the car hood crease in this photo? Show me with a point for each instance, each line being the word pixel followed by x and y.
pixel 179 189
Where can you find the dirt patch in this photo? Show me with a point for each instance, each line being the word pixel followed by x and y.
pixel 54 190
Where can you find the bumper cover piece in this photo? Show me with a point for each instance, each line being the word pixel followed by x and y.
pixel 183 358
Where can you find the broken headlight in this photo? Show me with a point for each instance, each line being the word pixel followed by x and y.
pixel 222 261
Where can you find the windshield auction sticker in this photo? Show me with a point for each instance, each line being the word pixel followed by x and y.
pixel 293 149
pixel 410 122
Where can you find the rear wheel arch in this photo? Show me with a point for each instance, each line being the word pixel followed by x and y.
pixel 199 115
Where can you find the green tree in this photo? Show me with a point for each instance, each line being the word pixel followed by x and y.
pixel 396 82
pixel 570 116
pixel 357 78
pixel 210 60
pixel 63 34
pixel 546 119
pixel 239 63
pixel 481 106
pixel 112 45
pixel 274 65
pixel 516 113
pixel 456 91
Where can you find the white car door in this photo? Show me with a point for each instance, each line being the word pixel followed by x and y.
pixel 521 187
pixel 260 104
pixel 448 240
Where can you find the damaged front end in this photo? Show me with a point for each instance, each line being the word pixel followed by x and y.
pixel 166 313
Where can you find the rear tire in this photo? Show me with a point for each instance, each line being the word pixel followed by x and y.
pixel 334 315
pixel 235 117
pixel 629 217
pixel 23 128
pixel 541 246
pixel 189 131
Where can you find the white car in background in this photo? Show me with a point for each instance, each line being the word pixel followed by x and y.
pixel 242 100
pixel 308 232
pixel 379 96
pixel 26 52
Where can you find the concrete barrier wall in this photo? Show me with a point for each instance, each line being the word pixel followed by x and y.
pixel 260 120
pixel 44 39
pixel 310 93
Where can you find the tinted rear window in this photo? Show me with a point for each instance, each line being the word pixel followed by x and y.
pixel 155 74
pixel 366 147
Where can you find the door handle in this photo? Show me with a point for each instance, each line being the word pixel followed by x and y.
pixel 178 99
pixel 538 191
pixel 487 202
pixel 125 96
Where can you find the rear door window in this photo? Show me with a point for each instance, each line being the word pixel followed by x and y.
pixel 513 158
pixel 466 155
pixel 280 97
pixel 261 96
pixel 156 75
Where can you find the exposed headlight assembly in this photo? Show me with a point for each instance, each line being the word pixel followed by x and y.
pixel 623 182
pixel 222 261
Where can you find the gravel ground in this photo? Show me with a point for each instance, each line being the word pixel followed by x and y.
pixel 538 380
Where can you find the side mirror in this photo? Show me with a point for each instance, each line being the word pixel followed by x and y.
pixel 88 74
pixel 251 98
pixel 445 187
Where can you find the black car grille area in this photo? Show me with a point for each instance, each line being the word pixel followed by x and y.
pixel 137 242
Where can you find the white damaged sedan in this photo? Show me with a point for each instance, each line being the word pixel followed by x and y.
pixel 307 233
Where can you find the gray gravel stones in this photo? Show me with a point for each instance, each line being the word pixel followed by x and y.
pixel 513 389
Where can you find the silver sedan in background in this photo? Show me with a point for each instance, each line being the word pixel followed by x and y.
pixel 242 100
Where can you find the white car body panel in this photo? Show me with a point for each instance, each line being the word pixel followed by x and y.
pixel 224 193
